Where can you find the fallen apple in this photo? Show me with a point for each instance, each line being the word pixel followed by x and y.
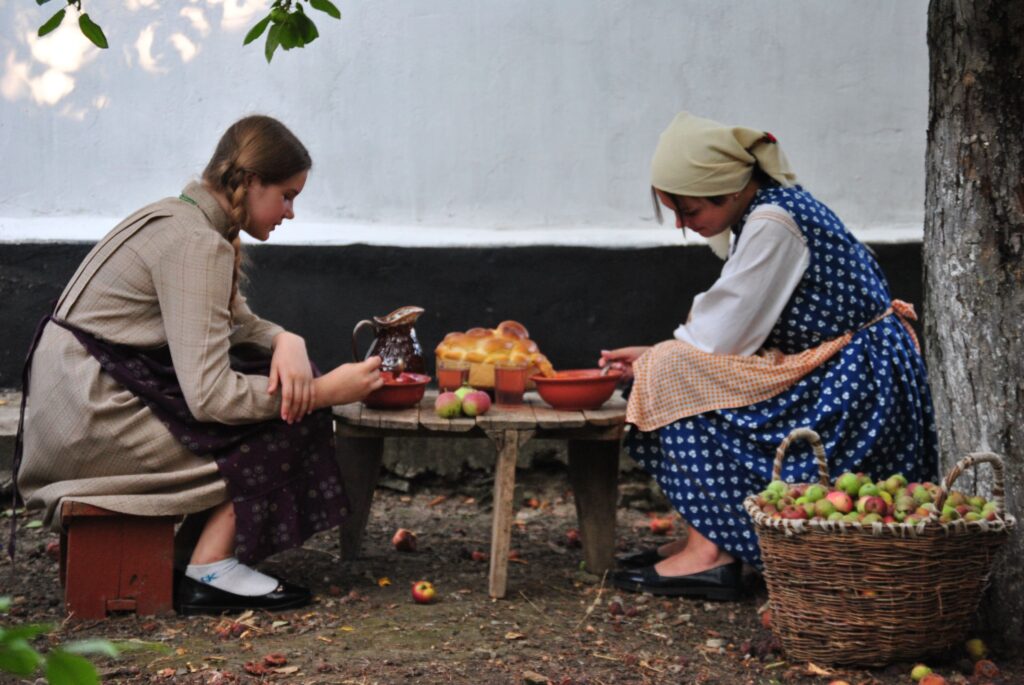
pixel 660 526
pixel 404 540
pixel 919 671
pixel 976 649
pixel 423 592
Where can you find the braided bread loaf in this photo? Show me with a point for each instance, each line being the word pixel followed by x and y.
pixel 482 347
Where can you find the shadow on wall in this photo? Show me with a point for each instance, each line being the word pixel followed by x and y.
pixel 574 301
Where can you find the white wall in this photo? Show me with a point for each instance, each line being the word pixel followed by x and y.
pixel 498 121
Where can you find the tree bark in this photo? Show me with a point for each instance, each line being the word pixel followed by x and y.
pixel 973 266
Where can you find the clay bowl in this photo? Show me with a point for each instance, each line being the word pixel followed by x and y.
pixel 577 388
pixel 398 392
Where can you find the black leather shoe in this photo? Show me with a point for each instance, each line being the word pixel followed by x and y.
pixel 647 557
pixel 193 597
pixel 721 583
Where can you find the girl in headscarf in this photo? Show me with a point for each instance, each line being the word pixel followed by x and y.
pixel 799 330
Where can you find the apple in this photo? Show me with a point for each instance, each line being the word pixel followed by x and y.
pixel 849 483
pixel 868 489
pixel 475 403
pixel 794 511
pixel 841 501
pixel 919 671
pixel 824 508
pixel 933 679
pixel 976 649
pixel 448 405
pixel 423 592
pixel 463 391
pixel 404 540
pixel 660 526
pixel 572 538
pixel 778 486
pixel 815 492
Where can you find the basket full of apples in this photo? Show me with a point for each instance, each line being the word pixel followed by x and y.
pixel 864 571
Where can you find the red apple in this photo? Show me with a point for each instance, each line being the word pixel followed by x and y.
pixel 423 592
pixel 660 526
pixel 404 540
pixel 476 403
pixel 841 501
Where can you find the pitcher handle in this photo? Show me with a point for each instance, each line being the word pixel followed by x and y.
pixel 355 331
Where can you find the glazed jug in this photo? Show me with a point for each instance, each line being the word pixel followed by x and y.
pixel 394 341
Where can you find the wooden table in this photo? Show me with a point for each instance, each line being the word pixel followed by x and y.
pixel 593 439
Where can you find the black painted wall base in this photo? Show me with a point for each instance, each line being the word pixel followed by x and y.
pixel 574 301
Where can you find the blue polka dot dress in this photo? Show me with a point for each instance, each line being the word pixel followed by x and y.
pixel 870 403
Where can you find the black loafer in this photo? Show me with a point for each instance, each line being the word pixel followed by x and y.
pixel 719 583
pixel 647 557
pixel 193 597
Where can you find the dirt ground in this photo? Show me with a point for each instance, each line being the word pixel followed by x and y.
pixel 558 624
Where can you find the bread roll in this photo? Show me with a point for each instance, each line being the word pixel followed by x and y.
pixel 483 347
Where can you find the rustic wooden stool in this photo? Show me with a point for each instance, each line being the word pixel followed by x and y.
pixel 115 563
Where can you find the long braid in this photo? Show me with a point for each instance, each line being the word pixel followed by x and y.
pixel 238 219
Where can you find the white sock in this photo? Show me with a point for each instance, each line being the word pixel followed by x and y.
pixel 232 576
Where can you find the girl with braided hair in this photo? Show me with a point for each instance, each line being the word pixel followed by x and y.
pixel 153 390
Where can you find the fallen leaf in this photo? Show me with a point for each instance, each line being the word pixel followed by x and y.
pixel 253 668
pixel 813 669
pixel 347 629
pixel 514 636
pixel 469 500
pixel 384 581
pixel 325 639
pixel 275 659
pixel 437 500
pixel 278 624
pixel 286 670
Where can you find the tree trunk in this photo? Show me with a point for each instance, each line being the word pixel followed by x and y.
pixel 973 266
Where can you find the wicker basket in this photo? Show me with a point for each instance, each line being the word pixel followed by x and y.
pixel 848 593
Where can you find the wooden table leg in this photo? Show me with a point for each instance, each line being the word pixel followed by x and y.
pixel 594 474
pixel 507 443
pixel 359 460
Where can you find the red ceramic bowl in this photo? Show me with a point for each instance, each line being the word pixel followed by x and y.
pixel 577 388
pixel 398 393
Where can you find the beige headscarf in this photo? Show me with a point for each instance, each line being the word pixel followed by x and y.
pixel 699 157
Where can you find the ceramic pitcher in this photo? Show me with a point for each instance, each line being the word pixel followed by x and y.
pixel 394 340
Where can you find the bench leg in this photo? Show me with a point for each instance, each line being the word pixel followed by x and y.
pixel 359 460
pixel 119 564
pixel 593 474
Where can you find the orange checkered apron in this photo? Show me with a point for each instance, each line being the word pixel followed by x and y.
pixel 674 380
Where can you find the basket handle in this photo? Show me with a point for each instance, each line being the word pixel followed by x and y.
pixel 998 491
pixel 819 453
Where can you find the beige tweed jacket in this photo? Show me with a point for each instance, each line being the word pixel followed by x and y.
pixel 161 277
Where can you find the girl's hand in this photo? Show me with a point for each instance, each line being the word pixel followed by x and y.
pixel 349 382
pixel 292 374
pixel 622 359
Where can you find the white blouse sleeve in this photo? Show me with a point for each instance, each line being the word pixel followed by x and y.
pixel 738 312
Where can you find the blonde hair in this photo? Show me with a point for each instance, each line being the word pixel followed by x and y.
pixel 259 146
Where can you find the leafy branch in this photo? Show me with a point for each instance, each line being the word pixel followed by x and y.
pixel 290 26
pixel 62 665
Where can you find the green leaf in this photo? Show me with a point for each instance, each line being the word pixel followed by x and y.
pixel 24 632
pixel 52 23
pixel 69 669
pixel 272 41
pixel 289 35
pixel 306 28
pixel 34 524
pixel 327 7
pixel 257 30
pixel 5 604
pixel 92 31
pixel 104 647
pixel 42 2
pixel 18 657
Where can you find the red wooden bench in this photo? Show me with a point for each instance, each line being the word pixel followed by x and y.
pixel 115 563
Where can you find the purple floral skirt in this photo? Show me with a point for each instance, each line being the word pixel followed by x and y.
pixel 283 480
